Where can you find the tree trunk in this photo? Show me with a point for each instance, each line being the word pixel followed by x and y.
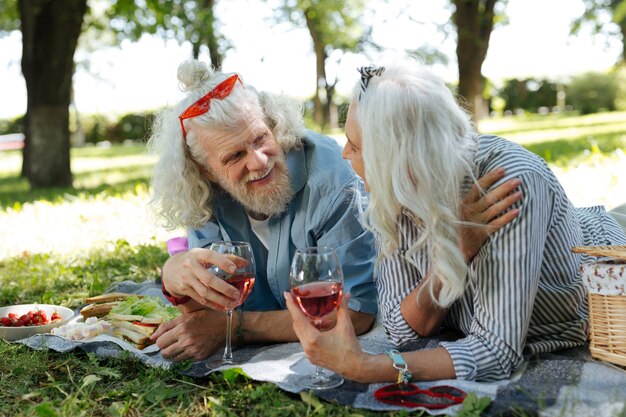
pixel 474 22
pixel 319 110
pixel 211 42
pixel 50 31
pixel 211 37
pixel 622 28
pixel 330 109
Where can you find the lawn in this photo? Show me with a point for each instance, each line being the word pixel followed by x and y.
pixel 61 245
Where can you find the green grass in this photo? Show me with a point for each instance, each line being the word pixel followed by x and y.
pixel 78 384
pixel 563 139
pixel 47 383
pixel 550 122
pixel 98 172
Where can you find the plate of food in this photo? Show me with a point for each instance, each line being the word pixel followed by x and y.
pixel 125 319
pixel 24 320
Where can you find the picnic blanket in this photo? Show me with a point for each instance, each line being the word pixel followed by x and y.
pixel 564 383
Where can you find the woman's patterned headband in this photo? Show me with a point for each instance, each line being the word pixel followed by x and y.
pixel 367 73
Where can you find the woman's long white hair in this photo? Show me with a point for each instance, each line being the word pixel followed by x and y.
pixel 416 144
pixel 181 194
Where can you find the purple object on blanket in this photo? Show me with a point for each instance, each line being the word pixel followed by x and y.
pixel 177 244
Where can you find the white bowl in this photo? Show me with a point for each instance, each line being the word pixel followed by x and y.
pixel 15 333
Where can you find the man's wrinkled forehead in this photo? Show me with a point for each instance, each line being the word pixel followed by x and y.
pixel 247 129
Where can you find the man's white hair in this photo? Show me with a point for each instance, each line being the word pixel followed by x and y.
pixel 181 193
pixel 417 145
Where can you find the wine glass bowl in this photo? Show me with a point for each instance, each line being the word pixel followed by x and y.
pixel 316 281
pixel 242 278
pixel 318 299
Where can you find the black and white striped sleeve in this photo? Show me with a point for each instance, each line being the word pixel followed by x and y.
pixel 504 284
pixel 397 277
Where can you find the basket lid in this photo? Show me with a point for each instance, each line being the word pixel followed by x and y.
pixel 611 251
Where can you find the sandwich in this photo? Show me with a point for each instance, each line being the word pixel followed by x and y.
pixel 100 305
pixel 136 318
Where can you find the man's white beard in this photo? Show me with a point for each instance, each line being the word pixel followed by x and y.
pixel 270 201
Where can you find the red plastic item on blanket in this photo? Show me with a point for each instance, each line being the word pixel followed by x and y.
pixel 410 395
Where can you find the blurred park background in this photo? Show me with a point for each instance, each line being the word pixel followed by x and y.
pixel 81 81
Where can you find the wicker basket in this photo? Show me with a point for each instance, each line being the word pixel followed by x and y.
pixel 607 327
pixel 607 312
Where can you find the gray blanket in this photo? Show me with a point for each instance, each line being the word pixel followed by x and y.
pixel 565 383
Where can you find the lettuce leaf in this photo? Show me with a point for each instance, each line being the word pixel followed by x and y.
pixel 146 306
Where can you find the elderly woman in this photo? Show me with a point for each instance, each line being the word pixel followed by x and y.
pixel 416 150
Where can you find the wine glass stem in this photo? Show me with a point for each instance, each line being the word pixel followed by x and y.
pixel 320 376
pixel 319 371
pixel 228 352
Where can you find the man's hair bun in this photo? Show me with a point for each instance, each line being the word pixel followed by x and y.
pixel 193 74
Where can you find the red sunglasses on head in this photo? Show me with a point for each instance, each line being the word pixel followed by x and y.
pixel 202 105
pixel 410 395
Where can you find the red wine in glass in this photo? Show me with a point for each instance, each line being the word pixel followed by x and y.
pixel 316 281
pixel 318 299
pixel 244 283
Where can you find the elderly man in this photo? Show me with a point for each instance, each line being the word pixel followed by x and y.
pixel 237 164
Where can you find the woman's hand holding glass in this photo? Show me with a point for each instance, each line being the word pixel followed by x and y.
pixel 337 349
pixel 316 281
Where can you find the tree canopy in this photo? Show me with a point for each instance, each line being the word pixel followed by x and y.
pixel 606 17
pixel 9 17
pixel 181 20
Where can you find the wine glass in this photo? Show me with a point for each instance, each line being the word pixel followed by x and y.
pixel 242 279
pixel 316 281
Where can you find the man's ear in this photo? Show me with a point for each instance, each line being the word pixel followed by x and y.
pixel 206 173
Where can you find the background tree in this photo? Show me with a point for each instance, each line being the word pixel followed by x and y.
pixel 335 26
pixel 529 94
pixel 592 92
pixel 181 20
pixel 9 17
pixel 474 21
pixel 50 31
pixel 607 17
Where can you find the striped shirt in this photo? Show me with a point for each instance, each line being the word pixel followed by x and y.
pixel 524 293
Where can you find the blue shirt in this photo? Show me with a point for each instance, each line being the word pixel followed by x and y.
pixel 325 211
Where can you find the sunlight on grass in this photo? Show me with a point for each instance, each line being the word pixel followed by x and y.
pixel 10 162
pixel 502 125
pixel 82 164
pixel 567 133
pixel 109 202
pixel 102 172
